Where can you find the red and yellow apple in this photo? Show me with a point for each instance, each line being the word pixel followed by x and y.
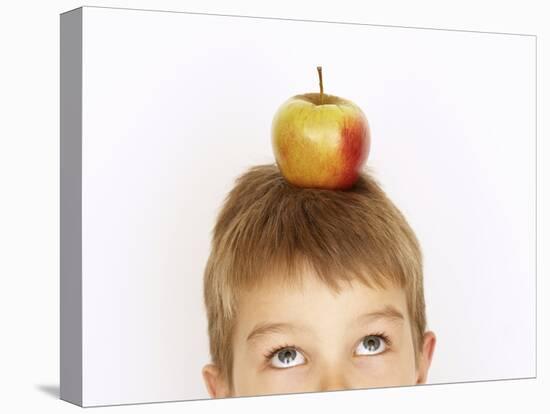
pixel 320 140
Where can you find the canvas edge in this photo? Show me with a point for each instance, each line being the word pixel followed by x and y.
pixel 71 386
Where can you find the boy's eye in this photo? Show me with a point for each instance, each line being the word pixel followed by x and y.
pixel 286 358
pixel 371 345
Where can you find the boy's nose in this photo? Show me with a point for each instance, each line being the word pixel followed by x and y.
pixel 332 380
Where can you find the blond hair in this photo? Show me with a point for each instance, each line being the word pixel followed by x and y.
pixel 268 228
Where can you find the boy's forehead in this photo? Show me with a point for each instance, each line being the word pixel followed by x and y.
pixel 305 280
pixel 312 298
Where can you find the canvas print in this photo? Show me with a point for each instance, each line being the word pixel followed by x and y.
pixel 260 206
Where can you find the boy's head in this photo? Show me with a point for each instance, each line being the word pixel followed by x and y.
pixel 311 289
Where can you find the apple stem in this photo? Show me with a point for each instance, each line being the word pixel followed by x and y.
pixel 320 72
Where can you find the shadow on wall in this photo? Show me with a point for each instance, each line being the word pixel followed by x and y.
pixel 51 390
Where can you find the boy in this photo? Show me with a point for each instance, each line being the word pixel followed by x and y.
pixel 311 290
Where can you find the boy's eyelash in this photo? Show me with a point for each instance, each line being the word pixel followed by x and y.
pixel 382 335
pixel 273 351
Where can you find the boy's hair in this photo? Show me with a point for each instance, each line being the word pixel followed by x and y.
pixel 268 228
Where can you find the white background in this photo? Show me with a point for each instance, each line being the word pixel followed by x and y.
pixel 30 182
pixel 176 106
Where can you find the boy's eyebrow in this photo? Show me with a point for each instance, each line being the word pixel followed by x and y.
pixel 267 327
pixel 388 312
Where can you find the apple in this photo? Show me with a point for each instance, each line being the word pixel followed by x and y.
pixel 320 140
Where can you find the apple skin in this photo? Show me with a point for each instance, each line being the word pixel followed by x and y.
pixel 320 145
